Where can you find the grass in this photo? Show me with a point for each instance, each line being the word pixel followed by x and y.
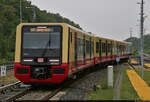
pixel 127 91
pixel 146 76
pixel 104 93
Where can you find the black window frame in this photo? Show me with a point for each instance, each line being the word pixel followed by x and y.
pixel 97 47
pixel 103 47
pixel 61 46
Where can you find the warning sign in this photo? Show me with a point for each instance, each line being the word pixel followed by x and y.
pixel 3 70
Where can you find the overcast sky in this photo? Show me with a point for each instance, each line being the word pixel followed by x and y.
pixel 107 18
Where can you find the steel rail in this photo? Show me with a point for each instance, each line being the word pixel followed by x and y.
pixel 6 87
pixel 20 94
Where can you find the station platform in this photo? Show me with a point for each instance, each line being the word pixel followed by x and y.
pixel 140 86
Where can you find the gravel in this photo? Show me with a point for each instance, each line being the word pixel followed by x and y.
pixel 83 88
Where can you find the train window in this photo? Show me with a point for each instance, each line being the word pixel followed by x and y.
pixel 112 46
pixel 103 47
pixel 108 47
pixel 80 46
pixel 92 47
pixel 87 46
pixel 100 47
pixel 117 47
pixel 71 37
pixel 97 47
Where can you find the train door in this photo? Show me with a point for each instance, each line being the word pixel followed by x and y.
pixel 100 49
pixel 69 45
pixel 75 50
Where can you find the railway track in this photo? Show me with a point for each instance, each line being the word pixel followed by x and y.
pixel 131 66
pixel 10 86
pixel 38 94
pixel 12 89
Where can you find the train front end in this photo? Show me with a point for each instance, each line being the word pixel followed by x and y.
pixel 40 50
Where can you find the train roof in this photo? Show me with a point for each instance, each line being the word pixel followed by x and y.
pixel 129 43
pixel 90 34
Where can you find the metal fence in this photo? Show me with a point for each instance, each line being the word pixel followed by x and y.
pixel 9 66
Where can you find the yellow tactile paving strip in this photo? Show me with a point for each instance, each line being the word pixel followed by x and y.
pixel 142 89
pixel 146 69
pixel 147 65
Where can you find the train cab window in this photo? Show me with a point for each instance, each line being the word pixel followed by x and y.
pixel 44 41
pixel 97 47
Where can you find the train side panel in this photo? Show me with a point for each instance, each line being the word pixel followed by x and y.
pixel 81 52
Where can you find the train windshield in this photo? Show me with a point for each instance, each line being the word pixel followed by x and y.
pixel 41 41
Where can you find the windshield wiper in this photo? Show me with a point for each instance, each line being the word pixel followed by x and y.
pixel 46 48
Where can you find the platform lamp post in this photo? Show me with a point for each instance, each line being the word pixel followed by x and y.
pixel 20 11
pixel 141 33
pixel 34 13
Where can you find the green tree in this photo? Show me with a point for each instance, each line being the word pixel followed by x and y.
pixel 9 19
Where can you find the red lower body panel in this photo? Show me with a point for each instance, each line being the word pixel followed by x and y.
pixel 55 78
pixel 97 60
pixel 81 65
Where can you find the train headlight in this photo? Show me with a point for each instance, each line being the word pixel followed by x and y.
pixel 28 60
pixel 54 61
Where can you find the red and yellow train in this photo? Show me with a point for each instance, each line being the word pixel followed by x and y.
pixel 52 52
